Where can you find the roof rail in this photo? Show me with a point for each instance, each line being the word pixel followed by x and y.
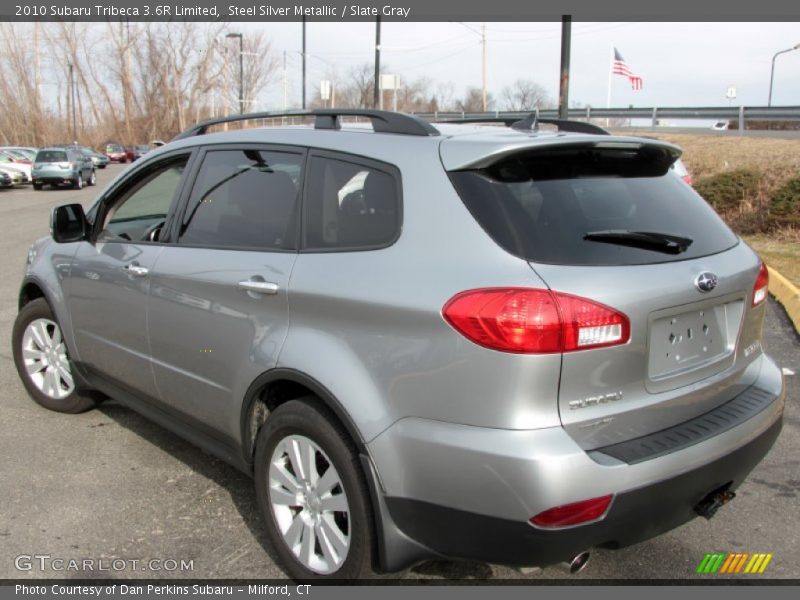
pixel 383 121
pixel 532 122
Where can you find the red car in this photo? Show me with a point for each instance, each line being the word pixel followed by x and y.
pixel 116 153
pixel 137 151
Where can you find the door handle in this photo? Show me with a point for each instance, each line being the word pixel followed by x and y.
pixel 259 287
pixel 136 270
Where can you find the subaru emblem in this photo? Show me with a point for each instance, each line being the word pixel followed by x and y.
pixel 705 282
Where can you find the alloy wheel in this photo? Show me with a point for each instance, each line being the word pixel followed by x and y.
pixel 45 357
pixel 309 504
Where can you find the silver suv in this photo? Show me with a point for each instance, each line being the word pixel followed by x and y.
pixel 472 341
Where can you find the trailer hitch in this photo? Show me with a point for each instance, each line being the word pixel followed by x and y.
pixel 708 506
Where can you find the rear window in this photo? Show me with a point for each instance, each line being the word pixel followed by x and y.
pixel 542 206
pixel 51 156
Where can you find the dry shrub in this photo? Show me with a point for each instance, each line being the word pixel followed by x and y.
pixel 723 167
pixel 785 205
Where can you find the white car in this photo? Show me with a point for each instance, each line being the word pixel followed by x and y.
pixel 8 163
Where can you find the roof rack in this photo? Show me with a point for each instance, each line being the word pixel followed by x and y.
pixel 532 122
pixel 383 121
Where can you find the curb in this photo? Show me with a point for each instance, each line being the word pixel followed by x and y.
pixel 787 294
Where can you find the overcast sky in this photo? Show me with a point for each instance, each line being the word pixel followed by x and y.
pixel 681 63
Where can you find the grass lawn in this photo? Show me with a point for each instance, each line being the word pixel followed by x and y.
pixel 779 254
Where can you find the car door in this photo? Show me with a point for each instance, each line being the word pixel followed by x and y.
pixel 218 307
pixel 110 276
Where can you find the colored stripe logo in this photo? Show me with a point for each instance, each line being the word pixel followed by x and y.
pixel 734 563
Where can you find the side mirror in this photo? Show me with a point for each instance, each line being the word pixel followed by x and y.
pixel 68 224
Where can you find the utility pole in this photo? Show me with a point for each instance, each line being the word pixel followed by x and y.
pixel 125 41
pixel 37 82
pixel 285 87
pixel 304 62
pixel 69 94
pixel 71 103
pixel 241 68
pixel 563 92
pixel 483 45
pixel 377 99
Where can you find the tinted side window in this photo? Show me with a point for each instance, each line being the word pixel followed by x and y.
pixel 244 199
pixel 350 205
pixel 141 209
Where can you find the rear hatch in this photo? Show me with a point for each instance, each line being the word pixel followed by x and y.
pixel 607 220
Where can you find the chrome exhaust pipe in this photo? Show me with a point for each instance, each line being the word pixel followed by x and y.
pixel 576 564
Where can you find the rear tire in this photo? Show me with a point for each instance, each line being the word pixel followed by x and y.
pixel 312 495
pixel 93 178
pixel 42 361
pixel 37 187
pixel 78 183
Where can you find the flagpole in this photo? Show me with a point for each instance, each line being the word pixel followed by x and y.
pixel 610 73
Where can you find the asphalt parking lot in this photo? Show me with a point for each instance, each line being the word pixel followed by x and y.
pixel 108 484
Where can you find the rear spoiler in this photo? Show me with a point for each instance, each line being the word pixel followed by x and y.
pixel 459 154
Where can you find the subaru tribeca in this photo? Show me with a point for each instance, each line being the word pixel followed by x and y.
pixel 473 341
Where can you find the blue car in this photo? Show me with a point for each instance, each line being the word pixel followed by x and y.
pixel 62 166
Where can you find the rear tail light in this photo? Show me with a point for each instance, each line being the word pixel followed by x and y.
pixel 576 513
pixel 532 321
pixel 687 179
pixel 761 286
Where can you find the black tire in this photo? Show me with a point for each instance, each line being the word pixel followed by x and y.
pixel 78 183
pixel 37 187
pixel 310 418
pixel 93 178
pixel 74 402
pixel 102 166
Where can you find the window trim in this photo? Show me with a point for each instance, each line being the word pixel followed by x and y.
pixel 377 165
pixel 201 152
pixel 100 208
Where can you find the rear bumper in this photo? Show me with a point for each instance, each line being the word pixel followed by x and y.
pixel 468 492
pixel 634 516
pixel 55 179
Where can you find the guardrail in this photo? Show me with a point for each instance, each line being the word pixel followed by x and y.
pixel 742 114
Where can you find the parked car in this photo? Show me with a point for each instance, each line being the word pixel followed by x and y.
pixel 9 161
pixel 140 150
pixel 681 171
pixel 116 153
pixel 580 366
pixel 721 126
pixel 62 165
pixel 135 152
pixel 19 155
pixel 10 178
pixel 26 151
pixel 100 161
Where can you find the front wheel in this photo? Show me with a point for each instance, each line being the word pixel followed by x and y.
pixel 42 361
pixel 312 494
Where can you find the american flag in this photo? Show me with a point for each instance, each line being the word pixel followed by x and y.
pixel 620 67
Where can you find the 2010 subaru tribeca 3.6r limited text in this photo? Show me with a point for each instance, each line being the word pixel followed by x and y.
pixel 484 342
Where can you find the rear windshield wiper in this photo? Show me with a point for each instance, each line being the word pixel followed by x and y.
pixel 648 240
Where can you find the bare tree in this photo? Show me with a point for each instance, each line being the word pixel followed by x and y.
pixel 524 95
pixel 473 101
pixel 133 81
